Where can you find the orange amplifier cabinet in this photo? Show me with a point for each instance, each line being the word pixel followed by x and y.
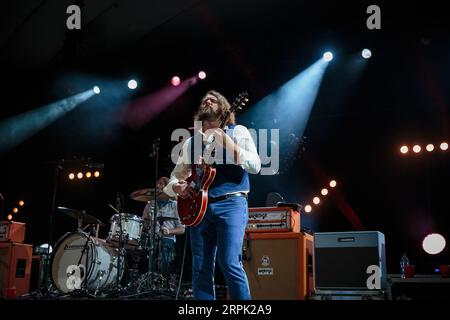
pixel 15 267
pixel 279 265
pixel 12 231
pixel 273 219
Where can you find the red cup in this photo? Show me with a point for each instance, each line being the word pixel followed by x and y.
pixel 409 271
pixel 443 269
pixel 10 293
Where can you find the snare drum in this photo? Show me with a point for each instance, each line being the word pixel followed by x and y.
pixel 131 228
pixel 97 272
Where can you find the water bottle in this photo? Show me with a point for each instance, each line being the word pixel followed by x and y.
pixel 404 261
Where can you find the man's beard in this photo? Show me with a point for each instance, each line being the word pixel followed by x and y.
pixel 207 114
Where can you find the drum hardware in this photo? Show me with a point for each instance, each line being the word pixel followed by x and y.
pixel 148 194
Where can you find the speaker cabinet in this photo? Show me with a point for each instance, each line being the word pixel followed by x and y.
pixel 12 231
pixel 341 259
pixel 279 265
pixel 15 267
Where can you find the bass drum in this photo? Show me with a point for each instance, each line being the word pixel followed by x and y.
pixel 97 272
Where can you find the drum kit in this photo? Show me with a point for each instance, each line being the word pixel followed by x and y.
pixel 125 264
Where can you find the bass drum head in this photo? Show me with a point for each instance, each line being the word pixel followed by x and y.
pixel 68 252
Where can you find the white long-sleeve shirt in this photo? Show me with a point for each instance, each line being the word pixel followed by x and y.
pixel 248 158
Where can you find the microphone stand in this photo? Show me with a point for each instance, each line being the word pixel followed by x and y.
pixel 152 254
pixel 58 167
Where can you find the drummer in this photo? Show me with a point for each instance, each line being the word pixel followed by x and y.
pixel 168 224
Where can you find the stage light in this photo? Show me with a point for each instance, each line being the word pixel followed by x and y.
pixel 96 90
pixel 328 56
pixel 333 183
pixel 444 146
pixel 15 210
pixel 10 217
pixel 417 148
pixel 316 200
pixel 430 147
pixel 132 84
pixel 366 53
pixel 80 175
pixel 21 203
pixel 308 208
pixel 404 149
pixel 88 174
pixel 324 191
pixel 433 243
pixel 96 174
pixel 175 81
pixel 202 75
pixel 71 176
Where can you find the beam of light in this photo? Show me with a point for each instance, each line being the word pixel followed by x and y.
pixel 433 243
pixel 145 109
pixel 17 129
pixel 287 109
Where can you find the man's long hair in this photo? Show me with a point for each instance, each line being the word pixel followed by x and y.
pixel 224 108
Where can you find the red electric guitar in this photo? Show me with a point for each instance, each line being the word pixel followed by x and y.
pixel 192 210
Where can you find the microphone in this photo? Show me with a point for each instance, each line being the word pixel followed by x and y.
pixel 155 148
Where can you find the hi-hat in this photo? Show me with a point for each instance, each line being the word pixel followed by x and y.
pixel 148 194
pixel 80 216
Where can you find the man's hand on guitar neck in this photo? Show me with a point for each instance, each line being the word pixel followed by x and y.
pixel 183 189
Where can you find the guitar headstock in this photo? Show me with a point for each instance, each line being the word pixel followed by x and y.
pixel 239 102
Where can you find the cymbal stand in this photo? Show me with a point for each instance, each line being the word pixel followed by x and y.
pixel 121 245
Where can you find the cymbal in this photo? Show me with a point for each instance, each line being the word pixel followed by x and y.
pixel 75 214
pixel 148 194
